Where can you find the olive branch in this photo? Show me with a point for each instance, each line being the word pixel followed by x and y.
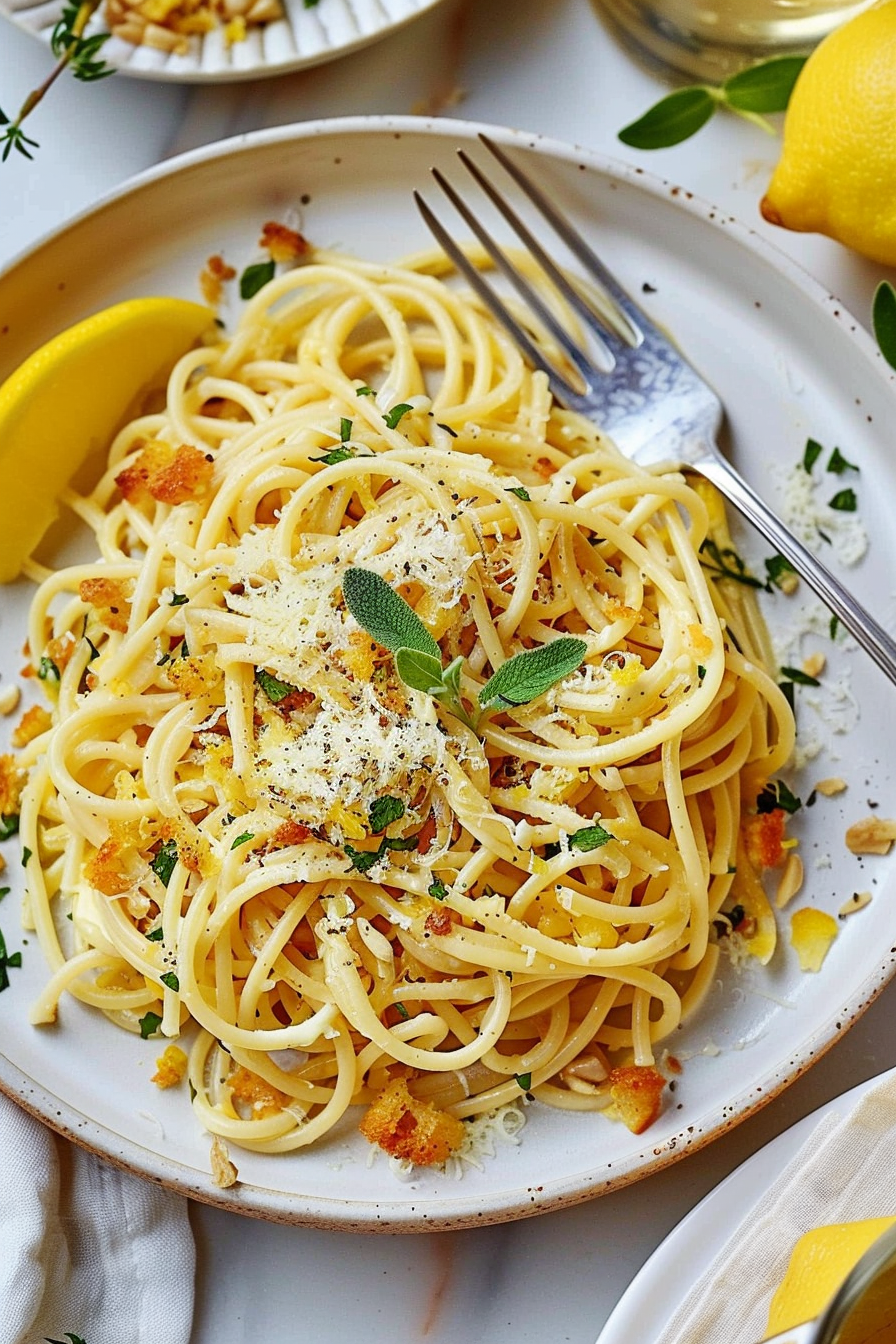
pixel 74 52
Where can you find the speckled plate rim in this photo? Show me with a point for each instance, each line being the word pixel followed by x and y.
pixel 472 1206
pixel 303 38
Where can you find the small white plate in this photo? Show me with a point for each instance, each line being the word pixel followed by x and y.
pixel 303 37
pixel 788 363
pixel 664 1282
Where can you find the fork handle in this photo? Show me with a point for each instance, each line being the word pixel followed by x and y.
pixel 866 631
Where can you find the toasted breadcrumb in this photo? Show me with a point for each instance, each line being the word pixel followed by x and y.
pixel 109 599
pixel 282 243
pixel 764 835
pixel 637 1092
pixel 34 721
pixel 12 781
pixel 261 1097
pixel 414 1130
pixel 224 1173
pixel 213 277
pixel 109 871
pixel 169 475
pixel 171 1067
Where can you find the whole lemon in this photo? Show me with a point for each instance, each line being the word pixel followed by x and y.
pixel 837 173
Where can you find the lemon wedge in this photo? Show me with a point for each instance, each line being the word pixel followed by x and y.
pixel 820 1262
pixel 70 396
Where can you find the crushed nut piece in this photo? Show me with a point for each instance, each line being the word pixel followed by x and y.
pixel 224 1173
pixel 872 835
pixel 9 699
pixel 857 901
pixel 829 788
pixel 791 880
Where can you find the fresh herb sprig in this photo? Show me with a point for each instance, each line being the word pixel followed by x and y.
pixel 751 93
pixel 883 317
pixel 75 52
pixel 392 622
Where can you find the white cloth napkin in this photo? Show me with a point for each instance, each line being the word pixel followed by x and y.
pixel 843 1173
pixel 85 1249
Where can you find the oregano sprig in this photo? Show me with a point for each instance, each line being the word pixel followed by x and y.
pixel 75 52
pixel 751 93
pixel 392 622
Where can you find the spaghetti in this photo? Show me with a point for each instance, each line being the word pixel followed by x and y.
pixel 353 892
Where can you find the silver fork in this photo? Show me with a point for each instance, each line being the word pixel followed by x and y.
pixel 647 397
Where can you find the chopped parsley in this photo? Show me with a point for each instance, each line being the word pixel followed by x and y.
pixel 178 599
pixel 340 454
pixel 274 689
pixel 520 491
pixel 362 860
pixel 255 278
pixel 163 863
pixel 778 567
pixel 844 501
pixel 365 392
pixel 401 1011
pixel 838 464
pixel 26 855
pixel 384 811
pixel 524 1080
pixel 776 794
pixel 170 980
pixel 154 935
pixel 149 1025
pixel 7 960
pixel 242 839
pixel 725 563
pixel 590 837
pixel 392 417
pixel 47 670
pixel 437 889
pixel 811 454
pixel 9 825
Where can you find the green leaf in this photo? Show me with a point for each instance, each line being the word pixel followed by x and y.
pixel 274 689
pixel 48 670
pixel 365 392
pixel 765 87
pixel 524 1080
pixel 335 455
pixel 674 118
pixel 26 855
pixel 345 428
pixel 392 417
pixel 154 935
pixel 385 616
pixel 255 278
pixel 9 825
pixel 528 675
pixel 844 501
pixel 883 317
pixel 801 678
pixel 727 564
pixel 520 491
pixel 362 860
pixel 420 671
pixel 170 980
pixel 589 837
pixel 242 839
pixel 776 794
pixel 384 811
pixel 838 464
pixel 149 1025
pixel 437 889
pixel 178 599
pixel 777 567
pixel 811 454
pixel 163 863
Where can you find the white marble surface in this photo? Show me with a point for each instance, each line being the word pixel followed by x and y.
pixel 547 66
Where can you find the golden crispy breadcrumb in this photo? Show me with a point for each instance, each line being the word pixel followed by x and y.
pixel 411 1129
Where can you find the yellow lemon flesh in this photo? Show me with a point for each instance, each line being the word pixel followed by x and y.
pixel 819 1264
pixel 70 397
pixel 837 173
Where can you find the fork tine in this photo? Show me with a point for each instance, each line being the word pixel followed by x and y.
pixel 632 313
pixel 529 296
pixel 559 385
pixel 598 323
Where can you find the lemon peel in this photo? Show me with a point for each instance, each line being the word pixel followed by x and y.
pixel 837 171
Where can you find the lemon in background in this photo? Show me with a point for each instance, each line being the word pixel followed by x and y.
pixel 837 173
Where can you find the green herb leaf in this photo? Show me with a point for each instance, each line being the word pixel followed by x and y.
pixel 335 455
pixel 72 1339
pixel 590 837
pixel 527 675
pixel 401 1011
pixel 420 671
pixel 777 567
pixel 362 860
pixel 834 626
pixel 255 278
pixel 384 811
pixel 800 677
pixel 727 564
pixel 883 317
pixel 392 417
pixel 524 1080
pixel 765 87
pixel 844 501
pixel 170 980
pixel 811 454
pixel 164 862
pixel 149 1025
pixel 437 889
pixel 154 935
pixel 385 616
pixel 4 891
pixel 26 855
pixel 776 794
pixel 674 118
pixel 7 959
pixel 178 599
pixel 345 429
pixel 274 689
pixel 520 491
pixel 242 839
pixel 48 670
pixel 364 392
pixel 838 464
pixel 9 825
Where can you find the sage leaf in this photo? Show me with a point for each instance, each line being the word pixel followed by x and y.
pixel 674 118
pixel 385 616
pixel 529 674
pixel 420 671
pixel 883 316
pixel 589 837
pixel 763 88
pixel 255 278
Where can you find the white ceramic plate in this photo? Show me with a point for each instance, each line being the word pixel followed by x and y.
pixel 665 1281
pixel 302 37
pixel 788 363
